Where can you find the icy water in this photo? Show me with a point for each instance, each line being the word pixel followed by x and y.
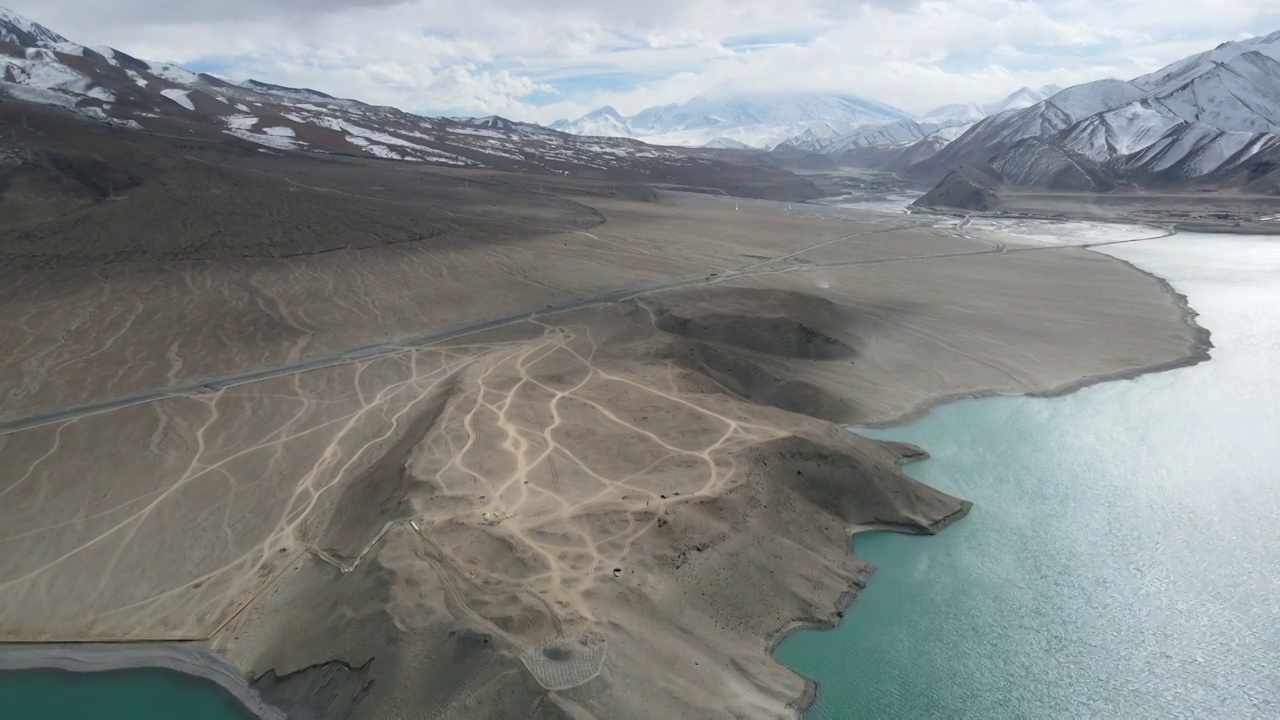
pixel 144 694
pixel 1122 559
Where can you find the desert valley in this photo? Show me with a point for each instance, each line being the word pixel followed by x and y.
pixel 363 414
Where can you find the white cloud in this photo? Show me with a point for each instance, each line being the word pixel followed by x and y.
pixel 501 56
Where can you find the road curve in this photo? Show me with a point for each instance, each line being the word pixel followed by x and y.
pixel 196 386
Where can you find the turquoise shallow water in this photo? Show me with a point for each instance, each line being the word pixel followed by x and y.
pixel 1122 559
pixel 114 695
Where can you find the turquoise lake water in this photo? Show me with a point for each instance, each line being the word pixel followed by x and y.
pixel 1122 559
pixel 114 695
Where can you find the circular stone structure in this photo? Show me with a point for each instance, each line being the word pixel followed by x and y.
pixel 566 663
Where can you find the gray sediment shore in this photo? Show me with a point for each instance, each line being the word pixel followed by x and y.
pixel 182 658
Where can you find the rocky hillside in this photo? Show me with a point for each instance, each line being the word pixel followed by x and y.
pixel 37 65
pixel 1208 121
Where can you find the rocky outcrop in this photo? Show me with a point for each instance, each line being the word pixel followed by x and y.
pixel 965 189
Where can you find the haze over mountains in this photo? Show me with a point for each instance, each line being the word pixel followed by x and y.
pixel 796 120
pixel 1211 118
pixel 760 120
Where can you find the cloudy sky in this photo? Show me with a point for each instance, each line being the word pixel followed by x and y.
pixel 543 59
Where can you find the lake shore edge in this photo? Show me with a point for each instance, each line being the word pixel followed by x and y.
pixel 1197 352
pixel 184 658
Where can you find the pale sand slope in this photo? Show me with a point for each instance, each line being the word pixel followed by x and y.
pixel 414 528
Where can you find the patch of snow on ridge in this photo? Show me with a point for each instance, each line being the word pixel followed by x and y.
pixel 280 131
pixel 97 114
pixel 1081 101
pixel 179 97
pixel 41 69
pixel 240 122
pixel 1136 126
pixel 173 73
pixel 12 18
pixel 382 138
pixel 431 154
pixel 108 53
pixel 944 136
pixel 137 79
pixel 41 96
pixel 67 48
pixel 275 141
pixel 383 151
pixel 1123 131
pixel 478 132
pixel 39 33
pixel 101 93
pixel 1214 154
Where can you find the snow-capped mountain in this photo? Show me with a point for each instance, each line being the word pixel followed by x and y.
pixel 1212 117
pixel 601 122
pixel 999 132
pixel 1192 150
pixel 962 112
pixel 873 135
pixel 760 120
pixel 724 143
pixel 18 30
pixel 900 133
pixel 1191 67
pixel 1021 98
pixel 105 85
pixel 972 112
pixel 900 157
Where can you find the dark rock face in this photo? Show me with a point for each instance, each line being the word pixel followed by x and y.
pixel 328 691
pixel 1037 163
pixel 778 336
pixel 965 189
pixel 815 161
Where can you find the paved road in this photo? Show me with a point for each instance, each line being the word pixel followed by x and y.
pixel 197 386
pixel 9 425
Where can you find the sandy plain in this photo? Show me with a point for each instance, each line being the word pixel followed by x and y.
pixel 402 442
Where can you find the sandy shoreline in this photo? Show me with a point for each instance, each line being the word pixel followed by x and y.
pixel 1198 352
pixel 101 657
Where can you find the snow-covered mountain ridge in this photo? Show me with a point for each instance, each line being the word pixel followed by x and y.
pixel 38 65
pixel 760 120
pixel 1206 118
pixel 808 122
